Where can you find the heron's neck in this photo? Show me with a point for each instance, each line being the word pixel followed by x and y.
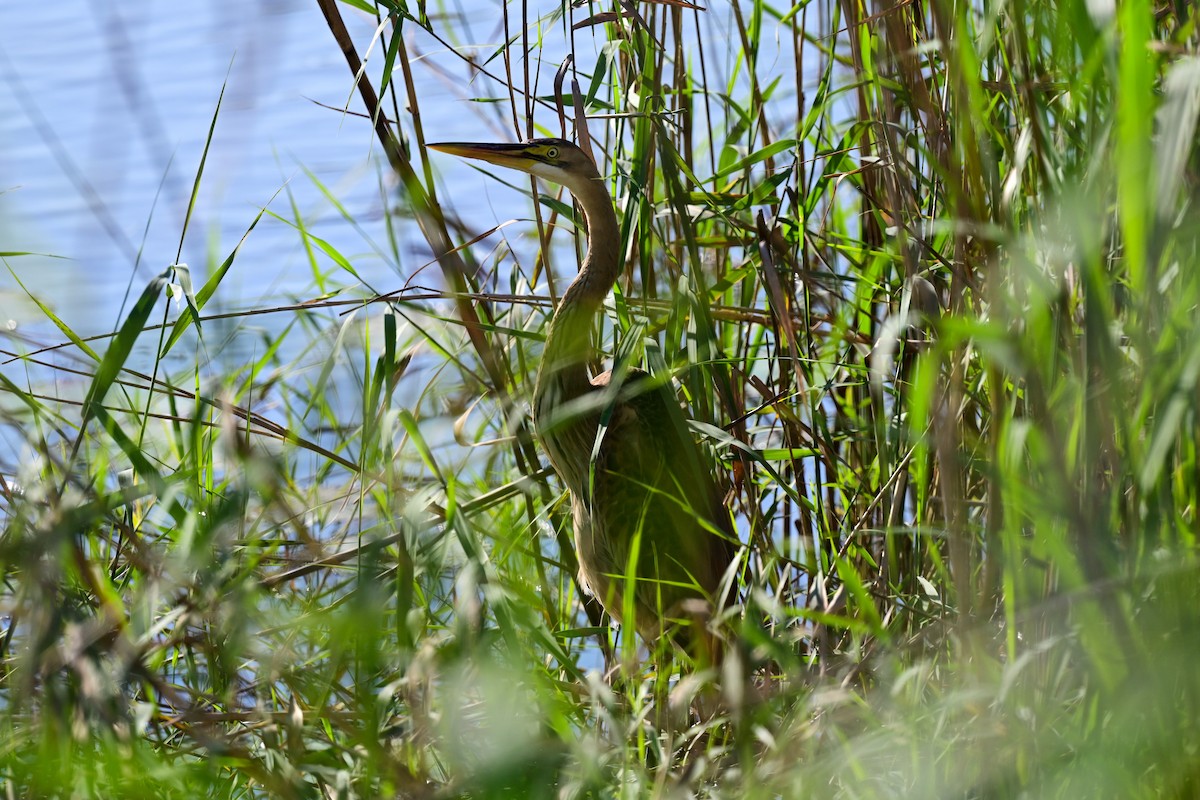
pixel 569 342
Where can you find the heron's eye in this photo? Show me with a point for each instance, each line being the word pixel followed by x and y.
pixel 552 152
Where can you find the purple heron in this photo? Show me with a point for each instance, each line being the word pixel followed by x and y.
pixel 647 513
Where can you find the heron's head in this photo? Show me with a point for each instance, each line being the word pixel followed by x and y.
pixel 555 160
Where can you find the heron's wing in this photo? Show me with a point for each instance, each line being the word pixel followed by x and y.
pixel 652 485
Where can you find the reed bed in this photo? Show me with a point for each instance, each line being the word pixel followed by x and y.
pixel 924 276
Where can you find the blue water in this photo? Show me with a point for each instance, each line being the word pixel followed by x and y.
pixel 101 104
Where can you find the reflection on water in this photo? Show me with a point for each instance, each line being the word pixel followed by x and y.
pixel 104 112
pixel 105 109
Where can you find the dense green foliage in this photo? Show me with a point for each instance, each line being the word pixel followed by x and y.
pixel 926 275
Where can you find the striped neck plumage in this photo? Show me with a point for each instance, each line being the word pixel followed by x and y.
pixel 569 344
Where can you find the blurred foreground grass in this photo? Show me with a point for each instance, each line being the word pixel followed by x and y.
pixel 927 277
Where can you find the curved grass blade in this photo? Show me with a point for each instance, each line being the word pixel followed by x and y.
pixel 122 345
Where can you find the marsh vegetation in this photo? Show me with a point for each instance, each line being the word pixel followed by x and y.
pixel 924 276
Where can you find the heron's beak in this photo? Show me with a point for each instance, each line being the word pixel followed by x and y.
pixel 513 156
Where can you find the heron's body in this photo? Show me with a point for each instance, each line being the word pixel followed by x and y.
pixel 646 511
pixel 644 504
